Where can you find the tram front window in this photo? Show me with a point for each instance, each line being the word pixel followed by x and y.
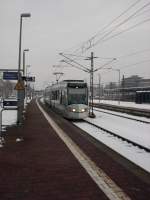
pixel 77 96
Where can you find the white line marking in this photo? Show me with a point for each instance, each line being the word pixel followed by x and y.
pixel 111 190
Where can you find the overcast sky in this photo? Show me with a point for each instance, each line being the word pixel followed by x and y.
pixel 63 25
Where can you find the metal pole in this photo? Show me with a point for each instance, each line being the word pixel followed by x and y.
pixel 1 137
pixel 23 62
pixel 26 84
pixel 19 113
pixel 119 85
pixel 24 51
pixel 92 63
pixel 20 94
pixel 27 75
pixel 99 77
pixel 90 103
pixel 24 73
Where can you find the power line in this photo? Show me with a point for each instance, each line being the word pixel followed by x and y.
pixel 145 11
pixel 121 23
pixel 71 60
pixel 130 28
pixel 138 63
pixel 90 41
pixel 104 65
pixel 133 53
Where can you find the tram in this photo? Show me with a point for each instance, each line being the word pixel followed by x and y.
pixel 69 97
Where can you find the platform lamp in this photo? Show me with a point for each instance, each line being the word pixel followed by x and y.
pixel 24 60
pixel 20 92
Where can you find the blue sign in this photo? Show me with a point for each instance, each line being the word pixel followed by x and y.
pixel 10 75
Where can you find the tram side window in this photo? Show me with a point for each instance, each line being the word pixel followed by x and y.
pixel 64 98
pixel 60 97
pixel 55 95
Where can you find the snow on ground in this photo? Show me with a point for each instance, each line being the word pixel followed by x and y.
pixel 132 130
pixel 124 114
pixel 134 154
pixel 9 117
pixel 125 104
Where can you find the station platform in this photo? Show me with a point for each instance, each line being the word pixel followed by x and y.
pixel 41 167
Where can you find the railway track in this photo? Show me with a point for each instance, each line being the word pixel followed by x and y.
pixel 134 119
pixel 118 136
pixel 128 110
pixel 103 156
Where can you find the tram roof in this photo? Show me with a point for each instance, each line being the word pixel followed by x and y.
pixel 64 83
pixel 73 81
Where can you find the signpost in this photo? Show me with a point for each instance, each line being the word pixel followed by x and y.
pixel 19 85
pixel 1 75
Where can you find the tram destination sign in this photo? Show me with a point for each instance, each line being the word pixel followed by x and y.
pixel 10 75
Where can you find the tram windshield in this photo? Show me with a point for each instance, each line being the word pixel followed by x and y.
pixel 77 96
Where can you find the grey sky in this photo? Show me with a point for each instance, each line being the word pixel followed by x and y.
pixel 58 25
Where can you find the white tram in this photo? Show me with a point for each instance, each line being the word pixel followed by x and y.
pixel 70 97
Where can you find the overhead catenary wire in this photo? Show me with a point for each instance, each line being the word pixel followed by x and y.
pixel 121 23
pixel 91 43
pixel 103 30
pixel 126 66
pixel 79 56
pixel 130 28
pixel 104 65
pixel 115 19
pixel 71 60
pixel 137 63
pixel 133 53
pixel 142 13
pixel 85 70
pixel 108 34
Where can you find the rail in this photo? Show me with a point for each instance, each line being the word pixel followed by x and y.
pixel 118 136
pixel 128 110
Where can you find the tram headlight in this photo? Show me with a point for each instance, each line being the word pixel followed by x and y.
pixel 82 110
pixel 71 109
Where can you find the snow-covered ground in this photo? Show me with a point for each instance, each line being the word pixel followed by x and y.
pixel 133 130
pixel 134 154
pixel 125 104
pixel 9 117
pixel 145 119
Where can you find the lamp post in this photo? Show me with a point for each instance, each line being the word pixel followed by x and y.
pixel 20 92
pixel 24 53
pixel 27 74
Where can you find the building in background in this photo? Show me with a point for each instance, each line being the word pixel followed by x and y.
pixel 126 91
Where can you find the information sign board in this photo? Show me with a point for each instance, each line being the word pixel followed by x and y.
pixel 28 78
pixel 10 75
pixel 9 103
